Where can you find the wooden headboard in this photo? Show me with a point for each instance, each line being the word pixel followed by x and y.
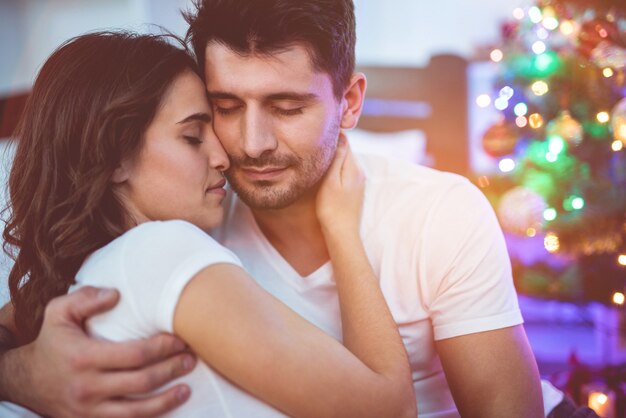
pixel 11 108
pixel 432 99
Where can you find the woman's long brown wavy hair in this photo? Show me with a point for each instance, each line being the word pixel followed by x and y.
pixel 90 105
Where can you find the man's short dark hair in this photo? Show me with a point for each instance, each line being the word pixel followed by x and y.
pixel 325 27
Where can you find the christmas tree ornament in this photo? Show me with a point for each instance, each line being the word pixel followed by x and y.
pixel 535 120
pixel 608 55
pixel 565 199
pixel 595 31
pixel 566 127
pixel 500 139
pixel 618 121
pixel 521 209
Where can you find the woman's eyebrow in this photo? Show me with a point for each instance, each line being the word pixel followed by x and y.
pixel 200 116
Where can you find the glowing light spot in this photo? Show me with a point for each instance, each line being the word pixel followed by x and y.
pixel 483 100
pixel 608 72
pixel 601 31
pixel 617 145
pixel 550 23
pixel 542 34
pixel 483 181
pixel 518 13
pixel 539 47
pixel 551 243
pixel 531 232
pixel 597 401
pixel 556 144
pixel 506 165
pixel 507 92
pixel 521 121
pixel 551 157
pixel 540 88
pixel 496 55
pixel 567 27
pixel 535 15
pixel 501 103
pixel 619 298
pixel 620 131
pixel 549 214
pixel 603 117
pixel 578 203
pixel 535 120
pixel 520 109
pixel 622 259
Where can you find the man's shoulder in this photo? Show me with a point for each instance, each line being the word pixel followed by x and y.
pixel 402 184
pixel 392 171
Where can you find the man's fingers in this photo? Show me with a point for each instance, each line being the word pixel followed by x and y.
pixel 142 381
pixel 152 406
pixel 135 354
pixel 80 305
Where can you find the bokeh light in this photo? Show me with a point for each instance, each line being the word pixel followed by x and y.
pixel 551 243
pixel 483 100
pixel 496 55
pixel 603 117
pixel 535 120
pixel 540 88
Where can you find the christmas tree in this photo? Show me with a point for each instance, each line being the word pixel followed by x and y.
pixel 561 142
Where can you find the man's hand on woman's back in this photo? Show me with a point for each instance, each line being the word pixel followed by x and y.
pixel 65 373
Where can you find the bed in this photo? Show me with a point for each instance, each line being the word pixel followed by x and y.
pixel 431 100
pixel 419 114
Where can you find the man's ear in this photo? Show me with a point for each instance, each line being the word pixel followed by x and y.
pixel 121 173
pixel 352 101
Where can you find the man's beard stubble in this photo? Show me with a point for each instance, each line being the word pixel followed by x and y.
pixel 307 172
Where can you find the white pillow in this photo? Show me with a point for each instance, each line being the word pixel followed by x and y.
pixel 407 145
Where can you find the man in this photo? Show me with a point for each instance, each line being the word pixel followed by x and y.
pixel 280 76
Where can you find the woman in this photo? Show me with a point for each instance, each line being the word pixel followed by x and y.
pixel 116 178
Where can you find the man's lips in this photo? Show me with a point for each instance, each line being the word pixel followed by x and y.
pixel 262 173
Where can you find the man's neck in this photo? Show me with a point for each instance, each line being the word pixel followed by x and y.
pixel 296 234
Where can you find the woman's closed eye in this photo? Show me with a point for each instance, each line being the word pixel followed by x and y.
pixel 192 140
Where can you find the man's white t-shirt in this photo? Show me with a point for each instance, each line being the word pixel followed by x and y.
pixel 436 246
pixel 150 265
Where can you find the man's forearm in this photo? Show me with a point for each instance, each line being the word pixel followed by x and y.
pixel 7 340
pixel 8 366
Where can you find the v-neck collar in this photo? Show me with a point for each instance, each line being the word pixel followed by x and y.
pixel 322 274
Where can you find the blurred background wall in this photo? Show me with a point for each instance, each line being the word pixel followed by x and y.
pixel 393 33
pixel 396 32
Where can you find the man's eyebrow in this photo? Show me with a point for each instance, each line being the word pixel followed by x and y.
pixel 297 97
pixel 222 95
pixel 200 116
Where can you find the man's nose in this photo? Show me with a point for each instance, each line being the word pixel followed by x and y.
pixel 258 136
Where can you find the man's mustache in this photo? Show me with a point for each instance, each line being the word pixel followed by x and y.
pixel 264 160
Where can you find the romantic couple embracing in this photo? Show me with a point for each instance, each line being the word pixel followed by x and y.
pixel 166 201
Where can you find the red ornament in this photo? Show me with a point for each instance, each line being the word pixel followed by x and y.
pixel 595 31
pixel 500 139
pixel 508 30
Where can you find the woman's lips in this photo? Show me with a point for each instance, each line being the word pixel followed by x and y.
pixel 218 188
pixel 266 173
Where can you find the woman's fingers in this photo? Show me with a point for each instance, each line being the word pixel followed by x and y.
pixel 336 165
pixel 351 171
